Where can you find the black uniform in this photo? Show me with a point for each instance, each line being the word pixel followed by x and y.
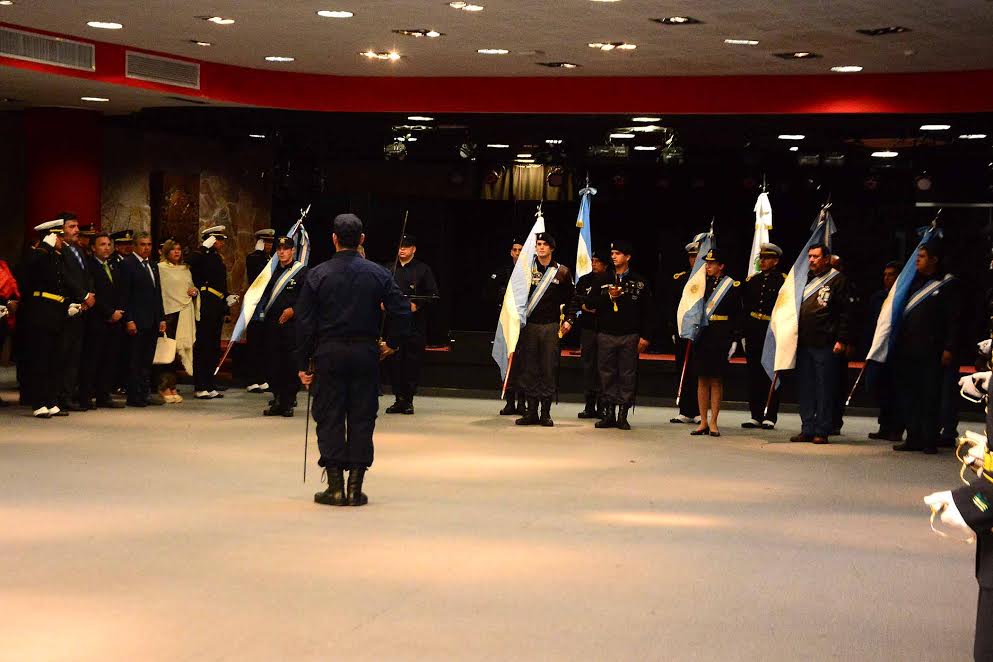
pixel 414 279
pixel 688 405
pixel 925 332
pixel 42 318
pixel 255 363
pixel 621 323
pixel 103 337
pixel 210 276
pixel 588 291
pixel 759 297
pixel 79 284
pixel 337 323
pixel 710 351
pixel 538 345
pixel 279 339
pixel 975 504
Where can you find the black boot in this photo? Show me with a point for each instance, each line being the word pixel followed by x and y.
pixel 511 407
pixel 590 411
pixel 546 414
pixel 335 494
pixel 609 419
pixel 398 407
pixel 622 418
pixel 601 409
pixel 355 496
pixel 531 415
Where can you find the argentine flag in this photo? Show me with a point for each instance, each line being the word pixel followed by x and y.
pixel 689 313
pixel 891 314
pixel 779 352
pixel 515 301
pixel 763 223
pixel 298 233
pixel 584 251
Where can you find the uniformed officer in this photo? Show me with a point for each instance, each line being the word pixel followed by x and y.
pixel 42 319
pixel 123 245
pixel 625 319
pixel 588 290
pixel 210 276
pixel 925 344
pixel 85 238
pixel 255 361
pixel 717 341
pixel 338 315
pixel 79 285
pixel 275 313
pixel 549 316
pixel 415 279
pixel 514 394
pixel 760 292
pixel 689 411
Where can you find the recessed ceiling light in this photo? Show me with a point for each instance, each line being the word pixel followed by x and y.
pixel 524 160
pixel 611 45
pixel 559 65
pixel 553 141
pixel 741 42
pixel 847 69
pixel 335 13
pixel 256 135
pixel 886 155
pixel 420 118
pixel 794 148
pixel 279 58
pixel 105 25
pixel 6 3
pixel 972 136
pixel 604 0
pixel 217 20
pixel 94 99
pixel 200 43
pixel 791 136
pixel 878 32
pixel 465 6
pixel 492 51
pixel 524 156
pixel 645 119
pixel 645 148
pixel 935 127
pixel 497 146
pixel 677 20
pixel 431 34
pixel 651 128
pixel 621 136
pixel 797 55
pixel 392 56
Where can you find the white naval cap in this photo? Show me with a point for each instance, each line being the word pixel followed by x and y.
pixel 770 250
pixel 216 231
pixel 50 226
pixel 267 233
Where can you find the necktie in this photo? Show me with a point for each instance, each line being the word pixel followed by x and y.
pixel 151 274
pixel 106 267
pixel 75 251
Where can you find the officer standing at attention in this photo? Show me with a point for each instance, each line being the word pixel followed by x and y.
pixel 123 245
pixel 761 290
pixel 626 318
pixel 210 276
pixel 514 394
pixel 415 279
pixel 275 312
pixel 689 409
pixel 588 290
pixel 255 262
pixel 80 289
pixel 338 314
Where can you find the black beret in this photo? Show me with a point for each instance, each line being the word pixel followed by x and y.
pixel 546 237
pixel 622 246
pixel 408 240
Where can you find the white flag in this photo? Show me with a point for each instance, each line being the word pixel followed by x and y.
pixel 763 223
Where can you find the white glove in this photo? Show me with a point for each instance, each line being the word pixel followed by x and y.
pixel 232 299
pixel 674 339
pixel 50 239
pixel 975 386
pixel 3 311
pixel 985 347
pixel 950 515
pixel 75 309
pixel 976 454
pixel 259 245
pixel 734 346
pixel 744 346
pixel 209 241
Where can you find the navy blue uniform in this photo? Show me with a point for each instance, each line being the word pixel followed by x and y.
pixel 337 323
pixel 414 279
pixel 255 361
pixel 688 405
pixel 41 323
pixel 759 297
pixel 279 338
pixel 210 276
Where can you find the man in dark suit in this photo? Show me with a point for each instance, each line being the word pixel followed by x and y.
pixel 144 318
pixel 104 328
pixel 80 288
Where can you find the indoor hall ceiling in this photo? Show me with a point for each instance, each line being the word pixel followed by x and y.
pixel 944 34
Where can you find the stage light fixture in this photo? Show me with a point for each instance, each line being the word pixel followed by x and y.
pixel 621 136
pixel 420 118
pixel 791 136
pixel 257 136
pixel 645 119
pixel 794 148
pixel 972 136
pixel 885 154
pixel 645 148
pixel 553 141
pixel 935 127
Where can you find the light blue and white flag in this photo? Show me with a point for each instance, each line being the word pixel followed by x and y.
pixel 584 251
pixel 898 300
pixel 513 314
pixel 690 313
pixel 763 223
pixel 779 352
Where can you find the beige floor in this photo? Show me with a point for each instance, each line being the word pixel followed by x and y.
pixel 184 533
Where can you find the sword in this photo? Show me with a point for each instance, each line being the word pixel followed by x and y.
pixel 682 376
pixel 393 272
pixel 306 421
pixel 772 390
pixel 855 385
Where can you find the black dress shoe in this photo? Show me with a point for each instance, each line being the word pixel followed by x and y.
pixel 69 406
pixel 929 450
pixel 109 404
pixel 396 408
pixel 137 403
pixel 60 413
pixel 700 432
pixel 904 447
pixel 508 410
pixel 220 387
pixel 751 424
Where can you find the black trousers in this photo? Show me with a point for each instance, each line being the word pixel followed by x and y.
pixel 758 380
pixel 256 361
pixel 404 367
pixel 346 402
pixel 688 405
pixel 880 382
pixel 141 354
pixel 983 644
pixel 70 354
pixel 207 346
pixel 40 369
pixel 539 346
pixel 280 368
pixel 591 366
pixel 919 378
pixel 99 361
pixel 618 366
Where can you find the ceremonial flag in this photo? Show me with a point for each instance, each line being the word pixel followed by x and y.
pixel 763 223
pixel 779 352
pixel 690 316
pixel 895 304
pixel 515 300
pixel 584 251
pixel 251 299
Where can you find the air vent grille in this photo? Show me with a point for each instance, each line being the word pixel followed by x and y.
pixel 55 51
pixel 155 69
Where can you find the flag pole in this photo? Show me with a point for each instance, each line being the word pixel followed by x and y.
pixel 682 375
pixel 225 357
pixel 772 390
pixel 848 401
pixel 506 380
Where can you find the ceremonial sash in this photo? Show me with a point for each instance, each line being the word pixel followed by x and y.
pixel 717 296
pixel 539 291
pixel 816 284
pixel 925 292
pixel 277 289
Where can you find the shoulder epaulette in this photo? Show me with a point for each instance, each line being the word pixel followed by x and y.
pixel 783 275
pixel 751 277
pixel 736 283
pixel 679 275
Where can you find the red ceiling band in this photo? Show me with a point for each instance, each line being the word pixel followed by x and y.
pixel 931 92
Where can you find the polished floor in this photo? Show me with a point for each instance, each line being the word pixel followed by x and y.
pixel 185 533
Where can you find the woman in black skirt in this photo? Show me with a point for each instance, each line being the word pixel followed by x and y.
pixel 713 348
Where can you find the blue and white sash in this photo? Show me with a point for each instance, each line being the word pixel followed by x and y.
pixel 723 287
pixel 280 285
pixel 925 292
pixel 815 285
pixel 539 291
